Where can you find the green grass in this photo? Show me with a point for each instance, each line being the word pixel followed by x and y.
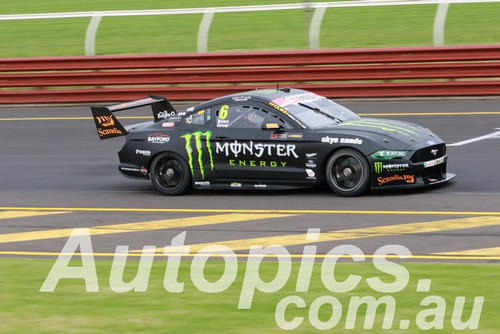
pixel 56 6
pixel 69 309
pixel 275 30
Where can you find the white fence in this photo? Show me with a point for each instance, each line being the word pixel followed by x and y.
pixel 208 14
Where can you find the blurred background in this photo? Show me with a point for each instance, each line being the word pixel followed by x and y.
pixel 340 27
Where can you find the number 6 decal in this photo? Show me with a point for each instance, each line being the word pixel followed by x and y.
pixel 223 111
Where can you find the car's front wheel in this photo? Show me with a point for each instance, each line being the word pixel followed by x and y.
pixel 348 173
pixel 170 174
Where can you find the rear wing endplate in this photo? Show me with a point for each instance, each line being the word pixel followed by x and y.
pixel 108 126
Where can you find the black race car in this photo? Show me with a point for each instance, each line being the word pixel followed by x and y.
pixel 273 139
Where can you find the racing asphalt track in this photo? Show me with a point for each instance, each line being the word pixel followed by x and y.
pixel 57 175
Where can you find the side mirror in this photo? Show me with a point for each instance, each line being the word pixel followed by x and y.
pixel 271 126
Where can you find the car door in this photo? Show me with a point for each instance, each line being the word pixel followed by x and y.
pixel 244 149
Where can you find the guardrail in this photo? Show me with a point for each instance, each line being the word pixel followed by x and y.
pixel 392 72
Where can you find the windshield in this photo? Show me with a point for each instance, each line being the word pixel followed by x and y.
pixel 321 112
pixel 315 111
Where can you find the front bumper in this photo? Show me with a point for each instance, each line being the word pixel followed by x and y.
pixel 420 169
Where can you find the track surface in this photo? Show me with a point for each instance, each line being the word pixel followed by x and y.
pixel 57 175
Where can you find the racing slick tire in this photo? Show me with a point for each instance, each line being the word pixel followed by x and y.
pixel 347 173
pixel 170 174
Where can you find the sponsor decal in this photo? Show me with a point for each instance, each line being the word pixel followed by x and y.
pixel 202 183
pixel 145 153
pixel 311 155
pixel 387 155
pixel 355 141
pixel 175 118
pixel 311 175
pixel 197 138
pixel 311 163
pixel 165 114
pixel 167 124
pixel 396 178
pixel 433 163
pixel 296 99
pixel 277 135
pixel 107 122
pixel 257 163
pixel 130 169
pixel 334 140
pixel 131 104
pixel 158 138
pixel 222 123
pixel 235 185
pixel 272 126
pixel 280 109
pixel 381 167
pixel 260 185
pixel 295 135
pixel 329 140
pixel 431 142
pixel 105 132
pixel 144 171
pixel 241 98
pixel 235 148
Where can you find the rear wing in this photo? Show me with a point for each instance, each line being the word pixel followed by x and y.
pixel 108 126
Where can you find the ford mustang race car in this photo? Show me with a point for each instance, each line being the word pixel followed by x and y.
pixel 272 139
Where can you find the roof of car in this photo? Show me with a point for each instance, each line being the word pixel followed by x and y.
pixel 262 95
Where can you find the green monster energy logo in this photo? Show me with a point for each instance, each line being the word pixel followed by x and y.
pixel 199 148
pixel 378 167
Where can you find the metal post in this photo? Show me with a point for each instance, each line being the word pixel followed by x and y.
pixel 206 21
pixel 91 34
pixel 439 21
pixel 315 26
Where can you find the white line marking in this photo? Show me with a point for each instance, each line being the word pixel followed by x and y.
pixel 468 141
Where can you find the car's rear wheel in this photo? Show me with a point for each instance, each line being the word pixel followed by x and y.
pixel 170 174
pixel 348 173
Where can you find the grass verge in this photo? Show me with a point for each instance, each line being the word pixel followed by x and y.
pixel 70 309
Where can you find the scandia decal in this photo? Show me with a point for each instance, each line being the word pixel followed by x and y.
pixel 395 178
pixel 105 132
pixel 105 120
pixel 107 126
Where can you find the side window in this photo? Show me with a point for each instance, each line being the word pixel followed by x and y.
pixel 245 116
pixel 271 117
pixel 200 117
